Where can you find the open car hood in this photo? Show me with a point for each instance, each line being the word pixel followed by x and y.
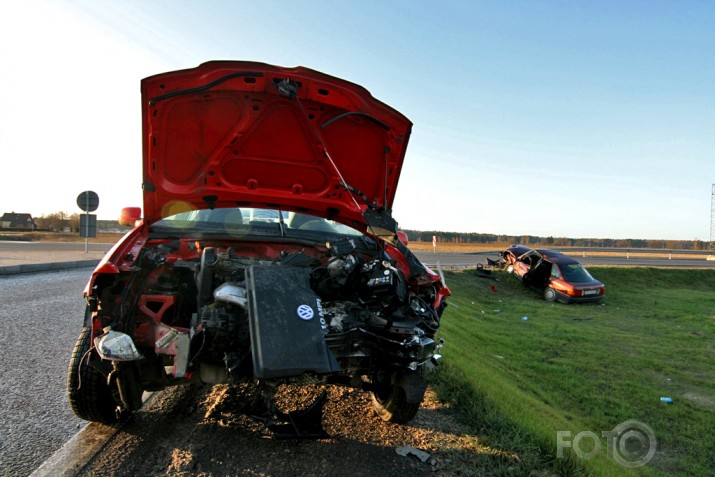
pixel 233 133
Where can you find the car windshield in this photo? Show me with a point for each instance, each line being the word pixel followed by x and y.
pixel 575 273
pixel 251 221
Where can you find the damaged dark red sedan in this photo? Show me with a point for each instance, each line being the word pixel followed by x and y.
pixel 267 253
pixel 560 277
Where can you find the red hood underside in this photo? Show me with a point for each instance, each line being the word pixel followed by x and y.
pixel 231 133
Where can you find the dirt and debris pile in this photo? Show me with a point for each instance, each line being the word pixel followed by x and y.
pixel 215 437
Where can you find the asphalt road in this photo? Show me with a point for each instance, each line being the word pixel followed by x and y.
pixel 40 319
pixel 11 245
pixel 458 260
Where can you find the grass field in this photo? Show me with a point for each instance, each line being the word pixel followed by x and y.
pixel 581 368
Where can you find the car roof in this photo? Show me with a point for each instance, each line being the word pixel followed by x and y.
pixel 518 250
pixel 548 254
pixel 555 257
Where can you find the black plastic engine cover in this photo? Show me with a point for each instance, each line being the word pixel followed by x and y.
pixel 286 323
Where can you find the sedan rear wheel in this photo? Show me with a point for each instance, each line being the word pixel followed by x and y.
pixel 550 294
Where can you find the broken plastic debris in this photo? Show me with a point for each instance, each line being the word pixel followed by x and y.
pixel 493 288
pixel 404 451
pixel 524 318
pixel 497 311
pixel 667 399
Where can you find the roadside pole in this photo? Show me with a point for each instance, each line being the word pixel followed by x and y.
pixel 86 231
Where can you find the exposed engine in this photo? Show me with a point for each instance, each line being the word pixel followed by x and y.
pixel 361 307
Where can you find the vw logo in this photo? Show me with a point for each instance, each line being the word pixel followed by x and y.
pixel 305 312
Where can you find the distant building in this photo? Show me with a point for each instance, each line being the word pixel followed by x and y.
pixel 12 220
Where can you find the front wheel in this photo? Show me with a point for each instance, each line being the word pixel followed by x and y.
pixel 89 395
pixel 398 401
pixel 394 407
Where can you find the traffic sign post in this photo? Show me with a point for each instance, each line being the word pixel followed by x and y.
pixel 88 201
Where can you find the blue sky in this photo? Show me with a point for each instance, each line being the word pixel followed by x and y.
pixel 580 119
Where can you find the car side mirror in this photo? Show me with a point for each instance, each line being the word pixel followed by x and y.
pixel 129 216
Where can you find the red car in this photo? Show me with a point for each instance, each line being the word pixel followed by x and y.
pixel 267 253
pixel 560 277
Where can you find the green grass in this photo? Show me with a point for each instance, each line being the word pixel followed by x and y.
pixel 585 367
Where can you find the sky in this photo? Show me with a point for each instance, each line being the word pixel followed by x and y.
pixel 551 118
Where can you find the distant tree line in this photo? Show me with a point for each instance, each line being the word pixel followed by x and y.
pixel 58 221
pixel 534 240
pixel 63 221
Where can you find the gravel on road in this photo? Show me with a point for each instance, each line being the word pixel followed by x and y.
pixel 200 431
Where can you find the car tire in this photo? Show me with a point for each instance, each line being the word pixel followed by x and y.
pixel 394 407
pixel 550 294
pixel 89 395
pixel 391 404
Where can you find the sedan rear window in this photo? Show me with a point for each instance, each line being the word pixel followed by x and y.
pixel 575 273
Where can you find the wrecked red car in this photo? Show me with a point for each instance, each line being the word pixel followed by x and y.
pixel 560 277
pixel 267 252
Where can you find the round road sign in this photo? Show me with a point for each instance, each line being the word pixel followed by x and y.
pixel 88 201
